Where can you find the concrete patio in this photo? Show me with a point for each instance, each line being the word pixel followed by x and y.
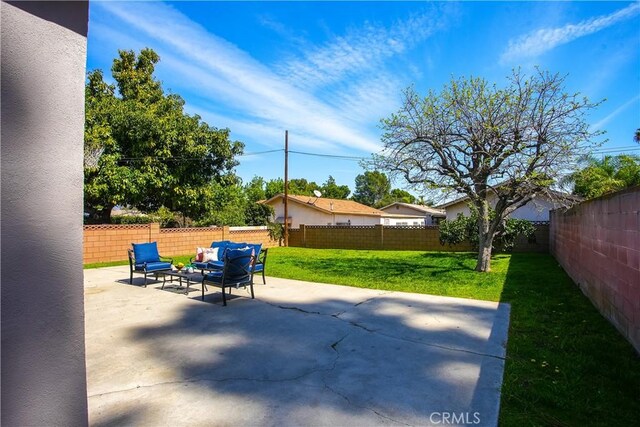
pixel 299 354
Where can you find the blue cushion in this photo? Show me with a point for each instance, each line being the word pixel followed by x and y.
pixel 145 252
pixel 214 277
pixel 222 247
pixel 215 265
pixel 220 243
pixel 259 267
pixel 238 263
pixel 155 266
pixel 200 265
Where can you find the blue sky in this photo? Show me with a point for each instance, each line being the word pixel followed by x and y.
pixel 329 71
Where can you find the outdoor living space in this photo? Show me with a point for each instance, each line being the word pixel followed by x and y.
pixel 299 354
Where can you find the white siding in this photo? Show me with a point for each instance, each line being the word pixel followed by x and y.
pixel 408 220
pixel 535 210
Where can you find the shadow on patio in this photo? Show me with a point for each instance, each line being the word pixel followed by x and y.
pixel 300 353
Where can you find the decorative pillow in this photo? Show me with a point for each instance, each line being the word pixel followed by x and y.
pixel 200 254
pixel 210 254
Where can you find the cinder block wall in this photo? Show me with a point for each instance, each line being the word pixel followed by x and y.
pixel 105 243
pixel 538 243
pixel 295 238
pixel 598 245
pixel 252 236
pixel 371 237
pixel 183 241
pixel 417 239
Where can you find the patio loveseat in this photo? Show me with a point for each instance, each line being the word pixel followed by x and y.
pixel 212 259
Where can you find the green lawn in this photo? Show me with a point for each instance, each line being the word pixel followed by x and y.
pixel 566 365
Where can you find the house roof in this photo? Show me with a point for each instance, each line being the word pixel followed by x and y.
pixel 331 206
pixel 420 208
pixel 560 195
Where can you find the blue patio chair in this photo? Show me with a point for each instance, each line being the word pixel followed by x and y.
pixel 260 263
pixel 145 259
pixel 237 271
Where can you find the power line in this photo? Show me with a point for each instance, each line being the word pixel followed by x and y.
pixel 617 149
pixel 261 152
pixel 331 156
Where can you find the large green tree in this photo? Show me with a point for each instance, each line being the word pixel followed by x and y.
pixel 398 195
pixel 256 213
pixel 606 175
pixel 476 139
pixel 332 190
pixel 371 188
pixel 143 150
pixel 302 187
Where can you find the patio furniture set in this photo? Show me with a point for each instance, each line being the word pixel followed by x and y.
pixel 225 264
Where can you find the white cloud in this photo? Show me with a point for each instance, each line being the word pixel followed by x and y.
pixel 224 70
pixel 602 123
pixel 362 49
pixel 545 39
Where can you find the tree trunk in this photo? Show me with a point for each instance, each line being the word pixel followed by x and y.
pixel 485 238
pixel 105 215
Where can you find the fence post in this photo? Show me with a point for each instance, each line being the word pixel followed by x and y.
pixel 225 232
pixel 380 232
pixel 154 232
pixel 303 231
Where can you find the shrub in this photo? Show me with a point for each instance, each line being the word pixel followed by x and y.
pixel 465 228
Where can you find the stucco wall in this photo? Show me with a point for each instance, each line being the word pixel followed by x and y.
pixel 43 74
pixel 302 215
pixel 535 210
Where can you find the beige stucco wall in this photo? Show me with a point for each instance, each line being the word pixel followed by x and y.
pixel 535 210
pixel 300 214
pixel 43 74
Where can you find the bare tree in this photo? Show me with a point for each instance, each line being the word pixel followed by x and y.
pixel 482 141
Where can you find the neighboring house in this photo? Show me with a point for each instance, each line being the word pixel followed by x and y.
pixel 536 210
pixel 429 215
pixel 322 211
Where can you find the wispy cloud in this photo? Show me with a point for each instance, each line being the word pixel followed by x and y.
pixel 545 39
pixel 246 85
pixel 360 50
pixel 603 122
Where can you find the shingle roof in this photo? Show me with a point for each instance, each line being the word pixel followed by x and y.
pixel 557 194
pixel 420 208
pixel 339 206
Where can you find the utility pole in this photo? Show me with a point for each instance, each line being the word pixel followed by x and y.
pixel 286 188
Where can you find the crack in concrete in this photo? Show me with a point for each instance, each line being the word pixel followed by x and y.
pixel 334 346
pixel 346 398
pixel 373 331
pixel 325 368
pixel 374 297
pixel 443 347
pixel 297 309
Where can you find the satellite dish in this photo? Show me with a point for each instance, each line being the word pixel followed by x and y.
pixel 317 193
